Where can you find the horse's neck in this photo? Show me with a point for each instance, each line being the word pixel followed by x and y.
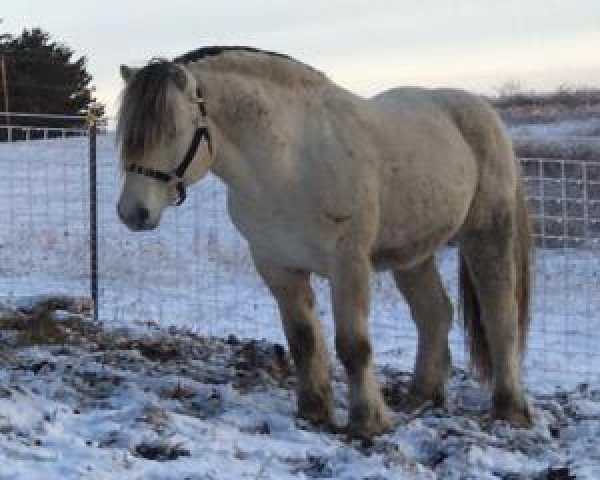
pixel 247 126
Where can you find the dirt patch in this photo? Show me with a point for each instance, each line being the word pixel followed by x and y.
pixel 48 320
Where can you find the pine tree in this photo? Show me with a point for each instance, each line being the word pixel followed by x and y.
pixel 44 76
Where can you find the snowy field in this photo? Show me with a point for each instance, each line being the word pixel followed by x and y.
pixel 94 404
pixel 194 275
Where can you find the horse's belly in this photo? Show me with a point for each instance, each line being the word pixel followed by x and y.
pixel 409 235
pixel 408 248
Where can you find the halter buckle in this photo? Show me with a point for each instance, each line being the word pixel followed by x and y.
pixel 178 193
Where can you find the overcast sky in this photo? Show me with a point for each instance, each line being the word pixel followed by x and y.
pixel 366 46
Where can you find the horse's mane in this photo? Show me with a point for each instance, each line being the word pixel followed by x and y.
pixel 145 114
pixel 213 51
pixel 276 67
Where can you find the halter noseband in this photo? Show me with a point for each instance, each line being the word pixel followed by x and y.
pixel 200 133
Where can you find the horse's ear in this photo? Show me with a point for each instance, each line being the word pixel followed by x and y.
pixel 127 72
pixel 179 77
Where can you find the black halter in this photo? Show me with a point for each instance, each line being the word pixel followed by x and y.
pixel 200 133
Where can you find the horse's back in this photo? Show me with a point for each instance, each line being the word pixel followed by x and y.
pixel 458 112
pixel 433 122
pixel 413 99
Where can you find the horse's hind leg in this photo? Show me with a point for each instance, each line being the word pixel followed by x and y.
pixel 295 298
pixel 431 310
pixel 488 249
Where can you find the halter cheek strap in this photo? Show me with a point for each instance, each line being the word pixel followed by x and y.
pixel 200 134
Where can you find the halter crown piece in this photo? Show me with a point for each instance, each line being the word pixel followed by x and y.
pixel 177 175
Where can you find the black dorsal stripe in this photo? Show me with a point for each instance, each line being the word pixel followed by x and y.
pixel 213 51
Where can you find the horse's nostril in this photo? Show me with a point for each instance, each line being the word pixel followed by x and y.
pixel 136 218
pixel 142 214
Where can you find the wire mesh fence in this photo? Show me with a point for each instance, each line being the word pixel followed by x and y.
pixel 195 271
pixel 43 210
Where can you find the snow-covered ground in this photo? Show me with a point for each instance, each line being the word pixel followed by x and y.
pixel 194 273
pixel 588 128
pixel 105 404
pixel 558 137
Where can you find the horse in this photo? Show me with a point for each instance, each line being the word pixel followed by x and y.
pixel 322 181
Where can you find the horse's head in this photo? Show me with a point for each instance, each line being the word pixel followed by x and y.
pixel 164 141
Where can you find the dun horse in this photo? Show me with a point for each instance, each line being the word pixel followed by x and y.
pixel 322 181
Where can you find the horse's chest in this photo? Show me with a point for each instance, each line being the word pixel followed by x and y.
pixel 279 236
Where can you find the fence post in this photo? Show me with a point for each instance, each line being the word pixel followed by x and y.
pixel 93 214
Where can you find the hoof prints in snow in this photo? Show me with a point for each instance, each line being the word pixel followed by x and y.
pixel 104 404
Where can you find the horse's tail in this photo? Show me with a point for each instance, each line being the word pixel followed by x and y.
pixel 476 338
pixel 523 260
pixel 471 312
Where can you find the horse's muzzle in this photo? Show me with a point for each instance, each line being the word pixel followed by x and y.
pixel 136 219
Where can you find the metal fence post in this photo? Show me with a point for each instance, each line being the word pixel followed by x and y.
pixel 93 215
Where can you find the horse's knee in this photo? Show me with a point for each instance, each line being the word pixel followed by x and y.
pixel 306 296
pixel 354 353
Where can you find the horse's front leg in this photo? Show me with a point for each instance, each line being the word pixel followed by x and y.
pixel 295 298
pixel 349 278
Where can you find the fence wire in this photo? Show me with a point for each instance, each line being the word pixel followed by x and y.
pixel 44 212
pixel 195 271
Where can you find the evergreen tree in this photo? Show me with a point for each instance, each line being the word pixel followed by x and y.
pixel 44 76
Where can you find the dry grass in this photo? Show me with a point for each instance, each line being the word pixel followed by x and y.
pixel 521 108
pixel 51 321
pixel 539 148
pixel 42 328
pixel 515 95
pixel 517 105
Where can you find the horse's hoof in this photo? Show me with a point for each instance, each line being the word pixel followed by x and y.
pixel 317 419
pixel 364 424
pixel 316 409
pixel 517 414
pixel 417 397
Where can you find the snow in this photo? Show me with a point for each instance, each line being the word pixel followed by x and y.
pixel 98 409
pixel 194 277
pixel 558 128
